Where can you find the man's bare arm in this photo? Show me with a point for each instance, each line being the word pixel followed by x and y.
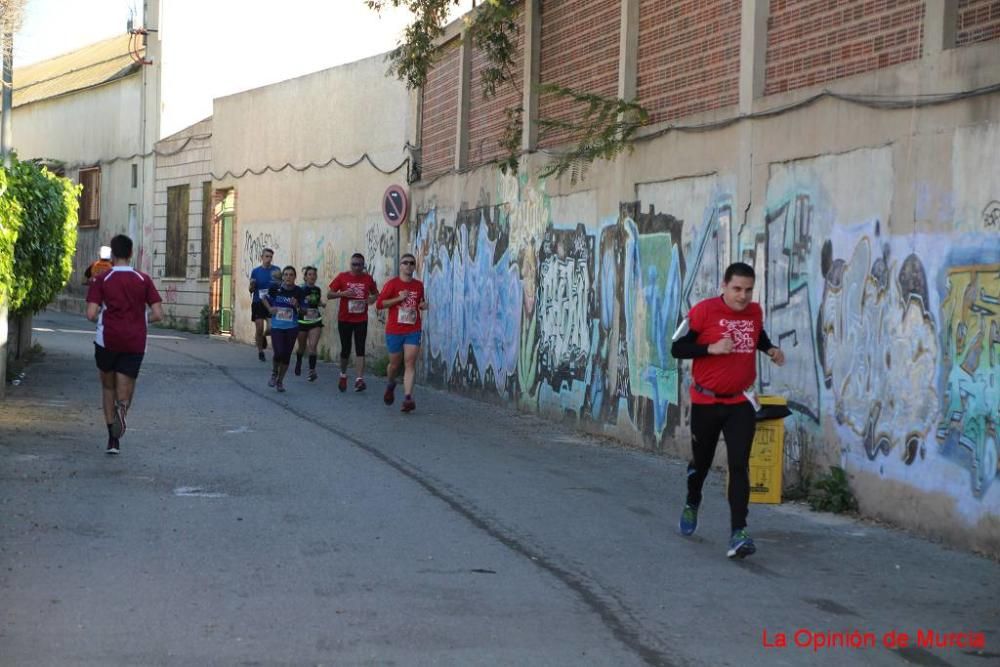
pixel 157 312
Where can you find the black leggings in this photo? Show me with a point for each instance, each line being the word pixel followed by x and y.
pixel 283 340
pixel 356 330
pixel 738 423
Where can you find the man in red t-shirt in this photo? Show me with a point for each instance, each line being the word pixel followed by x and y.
pixel 117 301
pixel 356 289
pixel 404 297
pixel 723 335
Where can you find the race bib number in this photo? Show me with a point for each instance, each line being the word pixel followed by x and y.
pixel 262 293
pixel 357 306
pixel 407 316
pixel 284 314
pixel 312 313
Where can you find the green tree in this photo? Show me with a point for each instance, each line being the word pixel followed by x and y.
pixel 605 126
pixel 39 209
pixel 10 226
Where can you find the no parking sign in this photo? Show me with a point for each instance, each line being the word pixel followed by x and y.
pixel 395 205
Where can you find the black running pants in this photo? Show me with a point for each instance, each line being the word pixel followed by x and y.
pixel 737 423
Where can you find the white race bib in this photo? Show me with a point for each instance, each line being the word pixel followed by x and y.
pixel 284 314
pixel 357 306
pixel 407 316
pixel 312 313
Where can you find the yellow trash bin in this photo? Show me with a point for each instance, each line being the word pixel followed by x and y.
pixel 767 456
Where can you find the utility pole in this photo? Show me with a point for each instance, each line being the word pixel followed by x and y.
pixel 7 130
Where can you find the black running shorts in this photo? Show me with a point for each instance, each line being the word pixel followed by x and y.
pixel 125 363
pixel 258 312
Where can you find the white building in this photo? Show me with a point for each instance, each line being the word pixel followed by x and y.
pixel 92 114
pixel 182 225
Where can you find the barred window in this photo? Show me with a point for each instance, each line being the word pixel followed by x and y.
pixel 90 198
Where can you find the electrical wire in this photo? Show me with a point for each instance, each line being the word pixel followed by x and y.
pixel 249 170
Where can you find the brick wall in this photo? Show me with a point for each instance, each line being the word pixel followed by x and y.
pixel 978 21
pixel 689 56
pixel 487 119
pixel 439 119
pixel 579 50
pixel 812 41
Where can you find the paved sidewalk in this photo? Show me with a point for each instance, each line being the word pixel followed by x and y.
pixel 317 527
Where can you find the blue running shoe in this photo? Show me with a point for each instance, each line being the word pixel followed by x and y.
pixel 689 520
pixel 740 544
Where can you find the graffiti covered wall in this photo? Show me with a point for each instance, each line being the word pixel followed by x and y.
pixel 891 330
pixel 538 301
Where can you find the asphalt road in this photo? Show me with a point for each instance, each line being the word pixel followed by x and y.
pixel 244 527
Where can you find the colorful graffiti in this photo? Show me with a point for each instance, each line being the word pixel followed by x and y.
pixel 472 328
pixel 970 377
pixel 562 313
pixel 565 276
pixel 652 280
pixel 878 349
pixel 564 317
pixel 788 307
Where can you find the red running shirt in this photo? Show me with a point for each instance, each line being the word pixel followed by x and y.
pixel 404 317
pixel 354 308
pixel 123 294
pixel 725 373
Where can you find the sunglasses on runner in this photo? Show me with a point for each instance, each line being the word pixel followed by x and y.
pixel 357 263
pixel 407 261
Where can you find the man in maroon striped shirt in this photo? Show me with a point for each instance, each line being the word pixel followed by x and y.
pixel 117 301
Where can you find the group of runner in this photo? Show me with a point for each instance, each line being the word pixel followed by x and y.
pixel 294 314
pixel 720 334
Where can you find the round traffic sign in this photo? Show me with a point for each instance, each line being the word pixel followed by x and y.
pixel 395 205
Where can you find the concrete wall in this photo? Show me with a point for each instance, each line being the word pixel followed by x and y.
pixel 184 158
pixel 875 236
pixel 318 216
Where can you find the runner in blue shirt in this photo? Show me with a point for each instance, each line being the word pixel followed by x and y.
pixel 283 303
pixel 261 280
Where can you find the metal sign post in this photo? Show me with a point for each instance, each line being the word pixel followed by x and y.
pixel 395 208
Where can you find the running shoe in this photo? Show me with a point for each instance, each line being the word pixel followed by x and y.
pixel 273 381
pixel 298 366
pixel 118 425
pixel 740 544
pixel 312 375
pixel 390 394
pixel 359 384
pixel 689 520
pixel 113 446
pixel 260 355
pixel 342 382
pixel 409 405
pixel 281 387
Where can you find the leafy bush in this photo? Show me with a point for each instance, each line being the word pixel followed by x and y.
pixel 10 226
pixel 47 206
pixel 832 493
